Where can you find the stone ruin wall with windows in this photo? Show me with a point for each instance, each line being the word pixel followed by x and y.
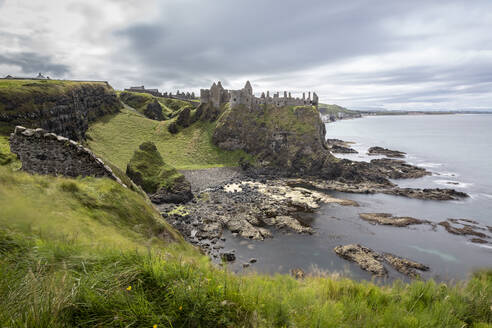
pixel 217 95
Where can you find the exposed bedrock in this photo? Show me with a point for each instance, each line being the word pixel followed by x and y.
pixel 338 146
pixel 66 112
pixel 388 219
pixel 372 261
pixel 368 187
pixel 250 209
pixel 153 110
pixel 386 152
pixel 42 152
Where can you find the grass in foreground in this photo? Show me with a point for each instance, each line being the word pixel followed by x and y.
pixel 115 137
pixel 90 253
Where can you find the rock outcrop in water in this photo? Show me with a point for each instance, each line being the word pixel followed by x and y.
pixel 372 261
pixel 388 219
pixel 386 152
pixel 64 108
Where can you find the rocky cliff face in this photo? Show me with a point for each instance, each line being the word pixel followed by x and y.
pixel 42 152
pixel 290 139
pixel 64 109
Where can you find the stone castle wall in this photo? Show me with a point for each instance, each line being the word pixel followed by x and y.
pixel 42 152
pixel 217 96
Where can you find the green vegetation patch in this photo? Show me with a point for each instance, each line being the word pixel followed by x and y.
pixel 147 169
pixel 6 157
pixel 140 100
pixel 29 95
pixel 115 137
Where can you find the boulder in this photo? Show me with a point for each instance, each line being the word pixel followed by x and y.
pixel 153 110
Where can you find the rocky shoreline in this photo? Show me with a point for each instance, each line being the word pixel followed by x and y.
pixel 253 206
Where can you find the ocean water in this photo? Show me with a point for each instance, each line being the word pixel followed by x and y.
pixel 457 149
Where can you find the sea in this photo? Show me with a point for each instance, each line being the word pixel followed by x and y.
pixel 457 149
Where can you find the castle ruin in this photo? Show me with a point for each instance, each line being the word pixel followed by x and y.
pixel 217 96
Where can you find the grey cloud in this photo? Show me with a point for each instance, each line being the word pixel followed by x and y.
pixel 32 63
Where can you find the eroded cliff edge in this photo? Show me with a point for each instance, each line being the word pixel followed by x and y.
pixel 63 107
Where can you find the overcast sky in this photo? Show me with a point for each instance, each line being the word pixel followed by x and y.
pixel 360 54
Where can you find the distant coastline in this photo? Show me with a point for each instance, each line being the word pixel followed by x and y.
pixel 332 113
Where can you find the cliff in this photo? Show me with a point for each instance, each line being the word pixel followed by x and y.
pixel 46 153
pixel 290 138
pixel 62 107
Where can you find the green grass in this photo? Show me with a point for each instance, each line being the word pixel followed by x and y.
pixel 115 137
pixel 140 100
pixel 148 169
pixel 90 253
pixel 23 93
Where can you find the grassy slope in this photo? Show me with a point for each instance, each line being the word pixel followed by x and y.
pixel 116 137
pixel 87 252
pixel 139 102
pixel 23 91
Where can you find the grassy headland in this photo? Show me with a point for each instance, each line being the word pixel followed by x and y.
pixel 115 137
pixel 28 95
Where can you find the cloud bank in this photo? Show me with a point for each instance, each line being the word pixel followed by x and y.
pixel 360 54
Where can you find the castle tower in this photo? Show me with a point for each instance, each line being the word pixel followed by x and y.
pixel 248 88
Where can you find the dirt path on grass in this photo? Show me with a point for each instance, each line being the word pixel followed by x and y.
pixel 207 178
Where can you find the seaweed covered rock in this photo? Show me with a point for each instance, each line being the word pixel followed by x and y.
pixel 161 181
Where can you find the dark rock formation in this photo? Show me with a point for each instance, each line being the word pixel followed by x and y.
pixel 466 229
pixel 405 266
pixel 173 128
pixel 429 194
pixel 386 152
pixel 288 139
pixel 161 181
pixel 42 152
pixel 228 256
pixel 371 261
pixel 178 192
pixel 365 257
pixel 66 111
pixel 184 118
pixel 397 169
pixel 154 111
pixel 338 146
pixel 369 187
pixel 388 219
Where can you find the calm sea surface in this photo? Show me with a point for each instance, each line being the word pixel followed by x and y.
pixel 457 149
